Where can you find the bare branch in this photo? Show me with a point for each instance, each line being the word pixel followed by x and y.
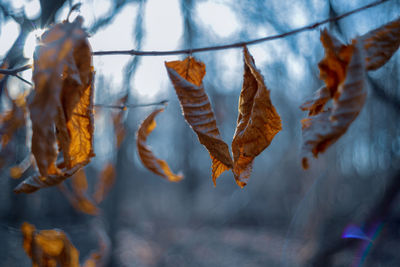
pixel 14 71
pixel 24 80
pixel 124 107
pixel 238 44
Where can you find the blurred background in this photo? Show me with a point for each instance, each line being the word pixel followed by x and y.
pixel 285 216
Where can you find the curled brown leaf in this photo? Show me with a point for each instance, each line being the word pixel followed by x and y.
pixel 325 126
pixel 257 123
pixel 380 44
pixel 187 76
pixel 159 167
pixel 61 109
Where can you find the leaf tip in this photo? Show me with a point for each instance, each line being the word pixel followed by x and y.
pixel 241 184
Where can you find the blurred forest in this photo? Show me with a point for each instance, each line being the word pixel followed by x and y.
pixel 285 216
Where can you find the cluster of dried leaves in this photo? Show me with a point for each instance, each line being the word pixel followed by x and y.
pixel 60 108
pixel 51 248
pixel 257 124
pixel 343 70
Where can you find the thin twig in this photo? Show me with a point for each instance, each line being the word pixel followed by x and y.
pixel 14 71
pixel 24 80
pixel 238 44
pixel 123 107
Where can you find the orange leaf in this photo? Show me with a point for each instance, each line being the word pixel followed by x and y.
pixel 74 121
pixel 333 66
pixel 257 123
pixel 147 157
pixel 187 76
pixel 324 127
pixel 380 44
pixel 105 182
pixel 48 248
pixel 63 98
pixel 79 198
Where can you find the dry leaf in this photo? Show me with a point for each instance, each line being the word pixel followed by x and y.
pixel 37 181
pixel 105 182
pixel 380 44
pixel 334 65
pixel 63 98
pixel 187 76
pixel 324 126
pixel 62 106
pixel 147 157
pixel 257 123
pixel 77 103
pixel 13 119
pixel 49 248
pixel 79 198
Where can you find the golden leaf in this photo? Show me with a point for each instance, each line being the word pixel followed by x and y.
pixel 159 167
pixel 187 76
pixel 380 44
pixel 324 126
pixel 74 120
pixel 105 182
pixel 257 123
pixel 49 248
pixel 63 97
pixel 62 105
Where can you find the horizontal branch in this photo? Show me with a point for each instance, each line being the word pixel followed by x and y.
pixel 124 107
pixel 14 71
pixel 238 44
